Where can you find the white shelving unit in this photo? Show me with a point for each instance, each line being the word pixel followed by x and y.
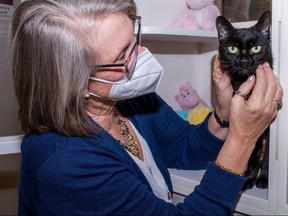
pixel 10 144
pixel 154 33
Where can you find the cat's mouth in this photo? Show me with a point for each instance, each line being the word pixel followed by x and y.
pixel 247 72
pixel 241 72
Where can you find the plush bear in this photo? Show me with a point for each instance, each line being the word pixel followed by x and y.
pixel 194 108
pixel 188 98
pixel 200 14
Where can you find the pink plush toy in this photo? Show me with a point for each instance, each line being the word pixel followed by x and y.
pixel 188 97
pixel 201 14
pixel 194 108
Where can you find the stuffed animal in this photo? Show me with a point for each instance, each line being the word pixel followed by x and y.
pixel 188 98
pixel 200 14
pixel 198 114
pixel 194 108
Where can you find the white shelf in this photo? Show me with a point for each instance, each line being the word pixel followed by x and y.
pixel 184 182
pixel 10 144
pixel 153 33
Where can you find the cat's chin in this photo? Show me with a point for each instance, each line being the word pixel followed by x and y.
pixel 246 73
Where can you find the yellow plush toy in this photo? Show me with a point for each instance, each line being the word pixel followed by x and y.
pixel 195 110
pixel 198 114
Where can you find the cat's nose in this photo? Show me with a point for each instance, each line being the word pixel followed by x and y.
pixel 244 63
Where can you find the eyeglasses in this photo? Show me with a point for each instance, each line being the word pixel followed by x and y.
pixel 130 62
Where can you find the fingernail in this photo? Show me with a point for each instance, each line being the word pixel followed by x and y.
pixel 260 66
pixel 250 78
pixel 266 64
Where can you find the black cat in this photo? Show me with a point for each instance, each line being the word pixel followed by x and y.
pixel 241 51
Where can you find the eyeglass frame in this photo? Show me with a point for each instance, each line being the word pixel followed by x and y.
pixel 126 62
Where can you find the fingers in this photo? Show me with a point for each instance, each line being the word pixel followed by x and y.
pixel 267 93
pixel 217 69
pixel 245 88
pixel 279 104
pixel 224 89
pixel 258 97
pixel 226 78
pixel 249 118
pixel 271 85
pixel 272 93
pixel 217 62
pixel 272 89
pixel 279 95
pixel 221 77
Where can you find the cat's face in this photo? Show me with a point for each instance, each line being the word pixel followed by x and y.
pixel 242 50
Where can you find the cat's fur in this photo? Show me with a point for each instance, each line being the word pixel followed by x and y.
pixel 241 51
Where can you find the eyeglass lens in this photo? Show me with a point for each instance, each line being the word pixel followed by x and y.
pixel 131 60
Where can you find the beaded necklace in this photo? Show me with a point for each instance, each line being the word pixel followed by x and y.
pixel 129 143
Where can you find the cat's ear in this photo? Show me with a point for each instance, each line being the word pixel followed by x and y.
pixel 224 27
pixel 264 23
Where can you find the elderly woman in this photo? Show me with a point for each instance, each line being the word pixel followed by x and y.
pixel 99 139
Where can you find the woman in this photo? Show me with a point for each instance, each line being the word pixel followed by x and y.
pixel 99 139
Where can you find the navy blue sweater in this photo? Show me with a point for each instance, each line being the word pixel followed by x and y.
pixel 63 175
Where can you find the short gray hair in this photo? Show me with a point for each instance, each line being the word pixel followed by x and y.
pixel 51 58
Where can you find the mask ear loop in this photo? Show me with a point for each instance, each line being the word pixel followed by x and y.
pixel 106 81
pixel 87 96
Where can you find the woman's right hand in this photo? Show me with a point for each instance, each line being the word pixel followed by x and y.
pixel 248 119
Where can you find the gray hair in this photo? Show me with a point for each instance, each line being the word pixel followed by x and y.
pixel 51 58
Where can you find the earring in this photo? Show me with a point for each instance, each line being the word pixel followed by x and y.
pixel 86 96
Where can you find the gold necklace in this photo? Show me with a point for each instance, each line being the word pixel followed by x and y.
pixel 129 143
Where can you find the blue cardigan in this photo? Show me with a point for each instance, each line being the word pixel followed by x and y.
pixel 63 175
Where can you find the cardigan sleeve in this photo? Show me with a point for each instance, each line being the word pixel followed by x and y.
pixel 217 188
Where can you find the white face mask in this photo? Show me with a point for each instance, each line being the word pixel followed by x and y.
pixel 145 79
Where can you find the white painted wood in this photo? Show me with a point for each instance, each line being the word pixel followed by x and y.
pixel 10 144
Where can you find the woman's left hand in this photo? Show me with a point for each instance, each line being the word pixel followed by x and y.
pixel 224 89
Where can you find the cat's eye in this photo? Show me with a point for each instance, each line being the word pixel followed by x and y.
pixel 232 49
pixel 256 49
